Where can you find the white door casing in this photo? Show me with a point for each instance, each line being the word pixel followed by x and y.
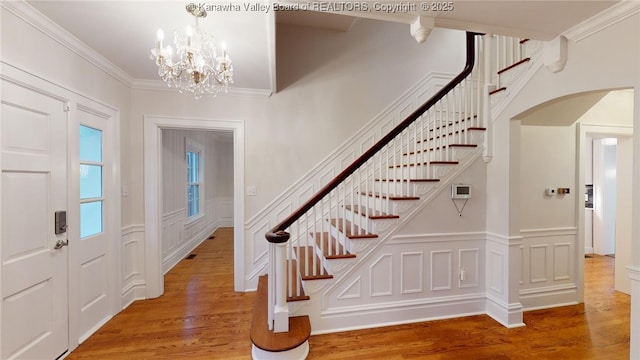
pixel 34 312
pixel 153 125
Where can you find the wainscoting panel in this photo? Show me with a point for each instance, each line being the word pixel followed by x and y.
pixel 562 261
pixel 132 258
pixel 381 276
pixel 441 270
pixel 495 271
pixel 412 272
pixel 538 259
pixel 410 278
pixel 469 260
pixel 549 268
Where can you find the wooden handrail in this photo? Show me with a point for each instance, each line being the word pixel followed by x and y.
pixel 278 234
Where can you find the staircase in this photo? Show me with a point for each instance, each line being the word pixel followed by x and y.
pixel 338 228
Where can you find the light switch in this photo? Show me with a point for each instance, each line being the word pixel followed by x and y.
pixel 252 191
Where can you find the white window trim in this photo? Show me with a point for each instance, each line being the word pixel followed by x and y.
pixel 194 146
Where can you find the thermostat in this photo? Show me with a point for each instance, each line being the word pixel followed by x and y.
pixel 460 191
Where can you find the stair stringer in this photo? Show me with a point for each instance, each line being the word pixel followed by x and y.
pixel 316 308
pixel 516 79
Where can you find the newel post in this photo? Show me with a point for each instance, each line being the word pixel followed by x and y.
pixel 490 60
pixel 278 318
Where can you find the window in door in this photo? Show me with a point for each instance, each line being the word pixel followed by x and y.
pixel 91 182
pixel 194 155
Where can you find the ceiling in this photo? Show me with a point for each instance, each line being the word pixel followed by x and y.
pixel 123 32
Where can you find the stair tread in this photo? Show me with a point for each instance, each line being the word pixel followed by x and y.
pixel 514 65
pixel 438 148
pixel 296 284
pixel 265 339
pixel 331 248
pixel 497 90
pixel 453 123
pixel 471 128
pixel 425 163
pixel 345 225
pixel 306 256
pixel 407 180
pixel 392 197
pixel 371 214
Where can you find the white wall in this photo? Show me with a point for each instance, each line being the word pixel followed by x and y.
pixel 331 84
pixel 604 188
pixel 623 209
pixel 180 235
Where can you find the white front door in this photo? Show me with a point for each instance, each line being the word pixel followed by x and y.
pixel 34 310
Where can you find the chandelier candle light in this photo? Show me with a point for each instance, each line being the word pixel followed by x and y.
pixel 197 68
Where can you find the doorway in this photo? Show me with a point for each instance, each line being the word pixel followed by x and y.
pixel 153 197
pixel 608 163
pixel 197 189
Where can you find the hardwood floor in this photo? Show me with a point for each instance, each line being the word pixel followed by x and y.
pixel 201 317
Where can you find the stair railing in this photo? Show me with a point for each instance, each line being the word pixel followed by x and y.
pixel 506 52
pixel 373 185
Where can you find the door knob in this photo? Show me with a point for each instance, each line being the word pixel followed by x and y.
pixel 60 244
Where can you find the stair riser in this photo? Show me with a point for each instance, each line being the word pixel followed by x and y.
pixel 404 188
pixel 394 207
pixel 454 153
pixel 373 226
pixel 433 171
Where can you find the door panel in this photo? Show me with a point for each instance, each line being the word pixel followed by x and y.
pixel 34 290
pixel 89 256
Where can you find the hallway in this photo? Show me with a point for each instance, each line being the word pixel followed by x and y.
pixel 200 317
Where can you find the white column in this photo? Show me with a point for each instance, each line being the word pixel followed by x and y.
pixel 503 246
pixel 634 268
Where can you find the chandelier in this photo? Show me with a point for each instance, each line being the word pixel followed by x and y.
pixel 195 66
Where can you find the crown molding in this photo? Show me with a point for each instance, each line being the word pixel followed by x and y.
pixel 603 20
pixel 159 85
pixel 46 26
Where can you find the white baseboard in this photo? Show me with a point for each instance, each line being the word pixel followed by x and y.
pixel 402 312
pixel 549 297
pixel 135 291
pixel 223 223
pixel 509 315
pixel 174 258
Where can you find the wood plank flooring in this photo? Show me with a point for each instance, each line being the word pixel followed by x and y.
pixel 201 317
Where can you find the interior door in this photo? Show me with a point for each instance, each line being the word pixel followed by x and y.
pixel 34 310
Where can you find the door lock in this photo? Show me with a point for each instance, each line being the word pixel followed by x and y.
pixel 60 244
pixel 60 219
